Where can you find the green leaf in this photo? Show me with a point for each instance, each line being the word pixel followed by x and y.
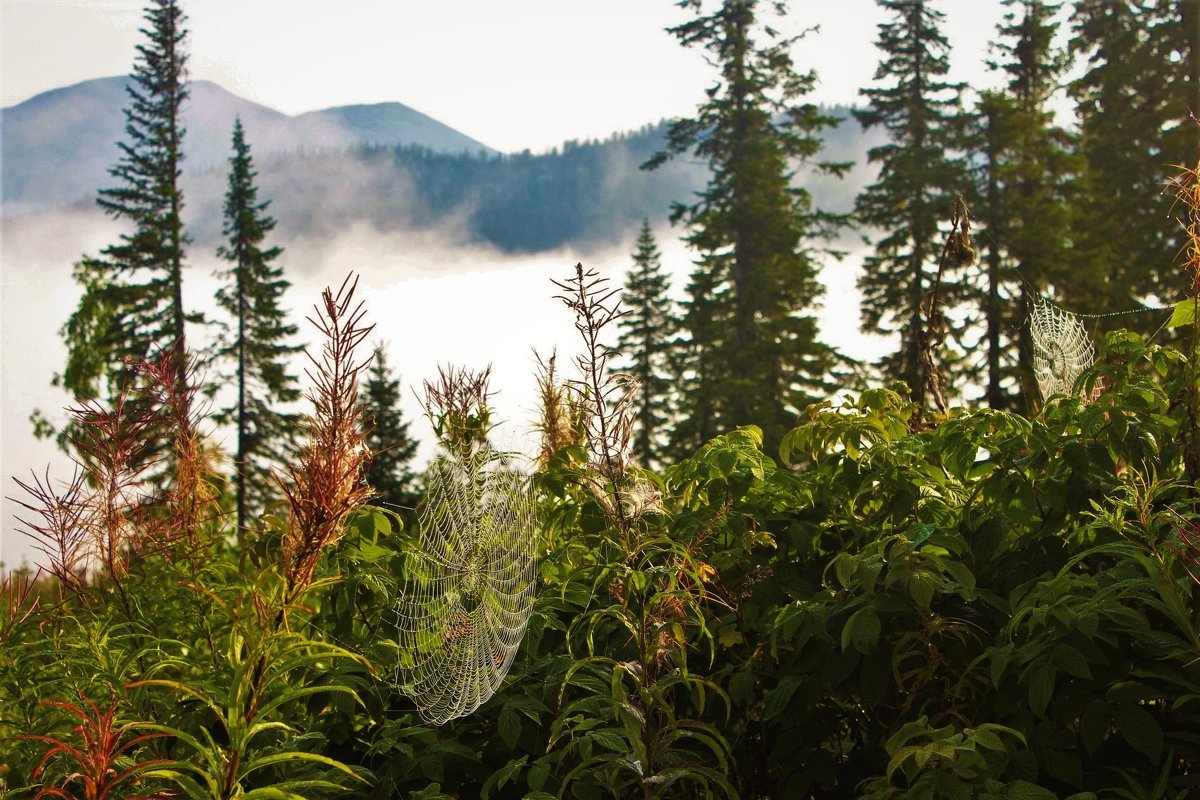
pixel 917 534
pixel 776 700
pixel 1093 724
pixel 987 739
pixel 1184 313
pixel 610 740
pixel 509 726
pixel 537 776
pixel 1076 456
pixel 1069 660
pixel 1140 730
pixel 1041 687
pixel 921 586
pixel 502 776
pixel 1024 790
pixel 861 630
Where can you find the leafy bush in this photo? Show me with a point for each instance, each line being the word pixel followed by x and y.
pixel 991 606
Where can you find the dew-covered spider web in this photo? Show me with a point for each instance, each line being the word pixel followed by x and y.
pixel 468 590
pixel 1062 348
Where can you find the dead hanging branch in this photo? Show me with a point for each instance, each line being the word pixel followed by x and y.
pixel 328 479
pixel 958 251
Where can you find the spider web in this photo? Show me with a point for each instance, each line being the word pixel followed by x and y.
pixel 468 590
pixel 1062 348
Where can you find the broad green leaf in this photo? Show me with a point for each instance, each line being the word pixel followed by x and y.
pixel 1041 687
pixel 610 739
pixel 509 725
pixel 1184 313
pixel 1093 724
pixel 861 630
pixel 1069 660
pixel 776 700
pixel 537 776
pixel 1024 790
pixel 1139 729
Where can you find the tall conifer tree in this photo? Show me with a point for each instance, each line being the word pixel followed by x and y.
pixel 755 354
pixel 1023 173
pixel 392 446
pixel 257 343
pixel 646 342
pixel 132 304
pixel 1141 75
pixel 918 178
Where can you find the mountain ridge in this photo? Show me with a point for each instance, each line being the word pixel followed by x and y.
pixel 58 146
pixel 328 170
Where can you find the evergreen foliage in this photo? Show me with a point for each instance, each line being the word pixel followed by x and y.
pixel 919 174
pixel 1023 163
pixel 257 344
pixel 580 192
pixel 755 354
pixel 1141 71
pixel 646 344
pixel 392 446
pixel 132 304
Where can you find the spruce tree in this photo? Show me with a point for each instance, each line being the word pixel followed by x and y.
pixel 755 357
pixel 132 304
pixel 645 343
pixel 257 342
pixel 1140 76
pixel 919 175
pixel 1000 281
pixel 392 447
pixel 1024 168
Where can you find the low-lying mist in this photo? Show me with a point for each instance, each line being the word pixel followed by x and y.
pixel 434 297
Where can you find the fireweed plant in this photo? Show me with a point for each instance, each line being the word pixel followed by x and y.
pixel 987 605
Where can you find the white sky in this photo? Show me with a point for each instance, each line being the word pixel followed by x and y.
pixel 514 75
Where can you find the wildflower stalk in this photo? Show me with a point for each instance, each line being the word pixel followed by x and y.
pixel 327 481
pixel 958 251
pixel 608 427
pixel 1186 188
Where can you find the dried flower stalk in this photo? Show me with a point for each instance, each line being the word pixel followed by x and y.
pixel 191 498
pixel 561 413
pixel 608 427
pixel 19 598
pixel 328 479
pixel 457 407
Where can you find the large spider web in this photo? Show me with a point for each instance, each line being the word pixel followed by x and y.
pixel 468 590
pixel 1062 348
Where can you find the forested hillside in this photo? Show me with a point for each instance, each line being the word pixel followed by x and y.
pixel 582 193
pixel 384 166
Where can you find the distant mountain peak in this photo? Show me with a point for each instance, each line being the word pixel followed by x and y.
pixel 58 146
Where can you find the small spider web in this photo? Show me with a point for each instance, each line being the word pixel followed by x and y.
pixel 468 590
pixel 1062 349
